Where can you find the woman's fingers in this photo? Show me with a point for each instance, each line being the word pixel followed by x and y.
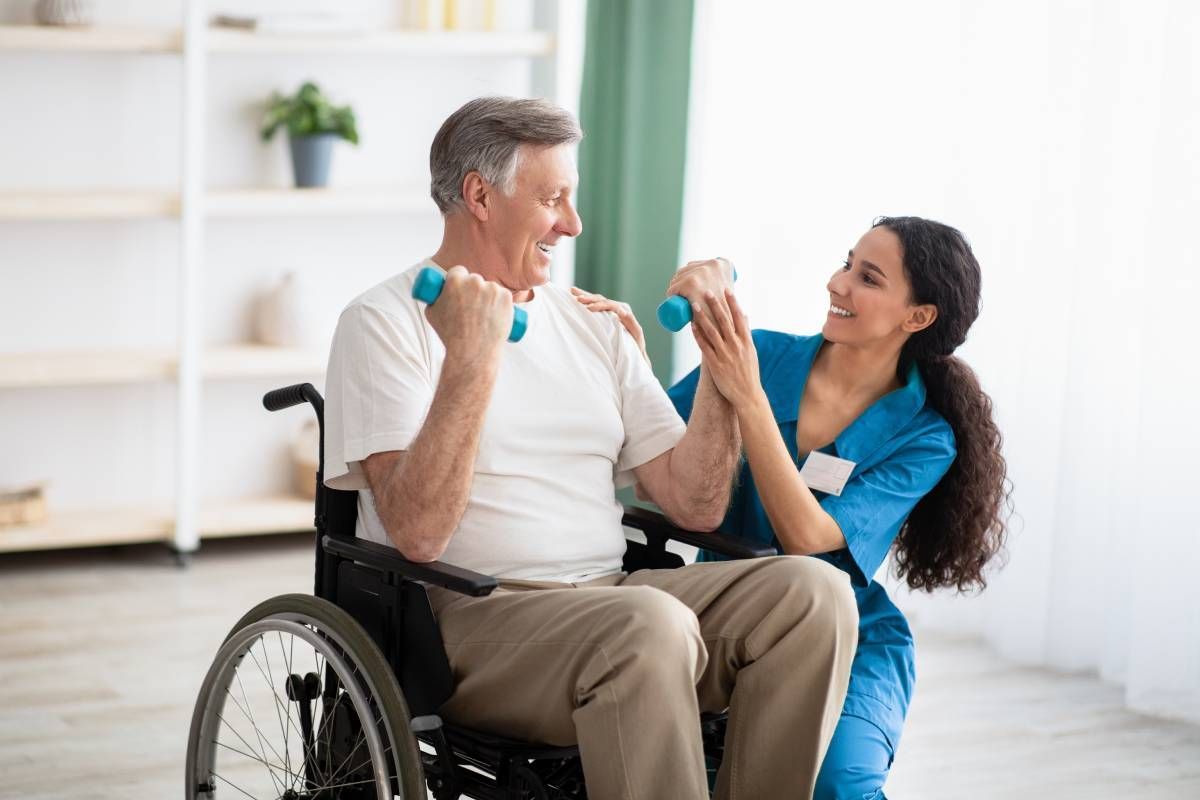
pixel 597 303
pixel 741 322
pixel 719 314
pixel 702 319
pixel 699 326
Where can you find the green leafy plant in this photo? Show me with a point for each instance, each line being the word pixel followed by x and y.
pixel 306 113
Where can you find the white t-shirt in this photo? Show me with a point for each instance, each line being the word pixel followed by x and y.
pixel 575 408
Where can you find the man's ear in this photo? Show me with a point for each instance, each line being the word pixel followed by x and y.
pixel 476 194
pixel 919 318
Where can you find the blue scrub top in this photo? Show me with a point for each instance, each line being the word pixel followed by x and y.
pixel 901 449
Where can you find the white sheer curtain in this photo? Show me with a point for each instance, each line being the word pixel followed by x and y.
pixel 1063 137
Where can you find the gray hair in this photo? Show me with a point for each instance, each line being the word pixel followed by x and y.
pixel 485 136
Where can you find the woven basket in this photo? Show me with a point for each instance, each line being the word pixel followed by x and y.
pixel 22 506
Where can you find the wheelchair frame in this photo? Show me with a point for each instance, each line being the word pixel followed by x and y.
pixel 385 594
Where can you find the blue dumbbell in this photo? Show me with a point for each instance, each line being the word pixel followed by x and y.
pixel 676 311
pixel 428 287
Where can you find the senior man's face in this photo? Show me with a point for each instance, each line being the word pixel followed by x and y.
pixel 540 211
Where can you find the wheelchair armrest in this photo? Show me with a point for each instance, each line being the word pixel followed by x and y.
pixel 658 526
pixel 447 576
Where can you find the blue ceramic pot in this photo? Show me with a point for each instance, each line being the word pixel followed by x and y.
pixel 310 158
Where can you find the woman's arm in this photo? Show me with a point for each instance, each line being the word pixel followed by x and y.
pixel 800 524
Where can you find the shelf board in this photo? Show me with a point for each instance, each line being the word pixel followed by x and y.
pixel 19 206
pixel 399 42
pixel 87 39
pixel 315 202
pixel 24 206
pixel 102 527
pixel 260 360
pixel 278 514
pixel 100 39
pixel 88 528
pixel 84 368
pixel 104 367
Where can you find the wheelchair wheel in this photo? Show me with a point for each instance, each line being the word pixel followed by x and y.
pixel 299 704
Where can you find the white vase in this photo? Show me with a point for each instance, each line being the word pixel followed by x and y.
pixel 286 315
pixel 64 12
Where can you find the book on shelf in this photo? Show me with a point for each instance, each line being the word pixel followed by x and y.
pixel 292 23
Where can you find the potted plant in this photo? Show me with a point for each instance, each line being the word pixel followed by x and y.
pixel 313 125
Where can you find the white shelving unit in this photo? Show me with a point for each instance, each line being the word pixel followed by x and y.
pixel 190 364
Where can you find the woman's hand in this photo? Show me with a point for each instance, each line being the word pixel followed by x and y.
pixel 722 331
pixel 598 302
pixel 697 279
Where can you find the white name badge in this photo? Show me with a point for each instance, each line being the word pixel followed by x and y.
pixel 825 473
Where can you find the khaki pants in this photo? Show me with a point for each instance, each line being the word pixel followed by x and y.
pixel 623 666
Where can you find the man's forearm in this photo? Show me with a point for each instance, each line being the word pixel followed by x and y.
pixel 426 494
pixel 702 464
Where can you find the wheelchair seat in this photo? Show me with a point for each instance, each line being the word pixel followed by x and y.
pixel 350 680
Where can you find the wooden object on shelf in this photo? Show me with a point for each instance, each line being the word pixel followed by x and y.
pixel 23 505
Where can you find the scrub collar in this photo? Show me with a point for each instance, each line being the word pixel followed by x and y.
pixel 861 438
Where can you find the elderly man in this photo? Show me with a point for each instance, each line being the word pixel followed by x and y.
pixel 503 458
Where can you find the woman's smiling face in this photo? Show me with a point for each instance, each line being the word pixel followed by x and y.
pixel 870 297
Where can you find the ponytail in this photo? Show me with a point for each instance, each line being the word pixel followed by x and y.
pixel 956 529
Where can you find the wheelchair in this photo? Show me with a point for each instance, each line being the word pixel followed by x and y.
pixel 335 695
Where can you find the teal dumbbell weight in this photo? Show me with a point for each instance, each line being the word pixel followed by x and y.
pixel 675 312
pixel 428 287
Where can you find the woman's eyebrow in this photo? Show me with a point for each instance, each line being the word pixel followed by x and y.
pixel 867 265
pixel 873 268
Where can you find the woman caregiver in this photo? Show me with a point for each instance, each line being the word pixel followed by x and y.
pixel 869 436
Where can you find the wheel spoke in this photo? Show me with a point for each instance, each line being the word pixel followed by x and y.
pixel 287 754
pixel 256 757
pixel 235 786
pixel 299 733
pixel 258 733
pixel 271 686
pixel 362 739
pixel 250 719
pixel 253 757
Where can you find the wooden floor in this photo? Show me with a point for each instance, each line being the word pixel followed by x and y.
pixel 102 651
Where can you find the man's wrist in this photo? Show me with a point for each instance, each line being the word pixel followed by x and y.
pixel 472 362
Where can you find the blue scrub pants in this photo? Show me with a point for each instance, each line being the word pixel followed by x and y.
pixel 857 763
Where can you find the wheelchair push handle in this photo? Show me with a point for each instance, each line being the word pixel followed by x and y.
pixel 428 287
pixel 288 396
pixel 675 312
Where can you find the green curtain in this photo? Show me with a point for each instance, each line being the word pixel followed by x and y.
pixel 634 110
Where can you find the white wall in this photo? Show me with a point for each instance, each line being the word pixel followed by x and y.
pixel 1063 138
pixel 110 121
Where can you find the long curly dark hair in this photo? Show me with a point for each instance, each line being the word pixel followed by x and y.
pixel 956 529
